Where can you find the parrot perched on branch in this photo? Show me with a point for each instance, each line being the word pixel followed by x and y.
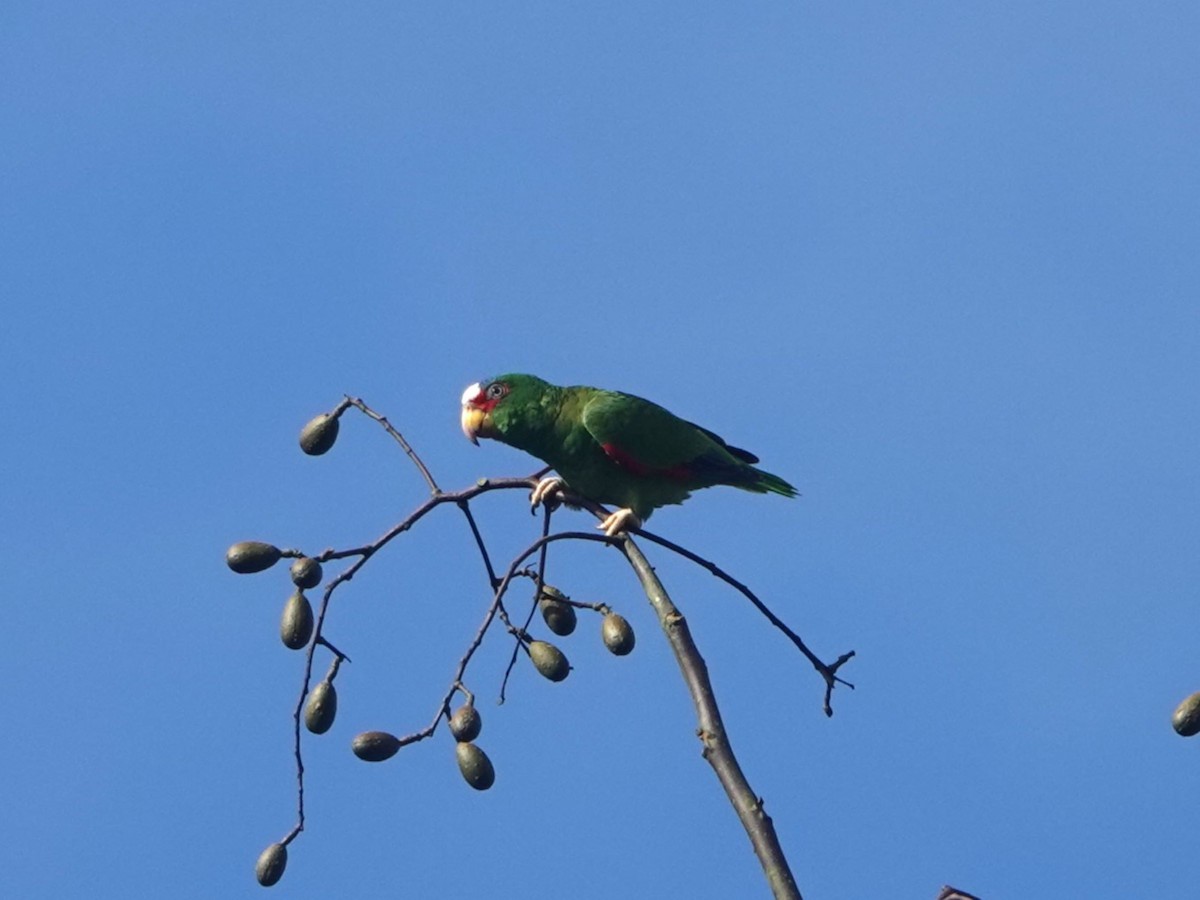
pixel 609 447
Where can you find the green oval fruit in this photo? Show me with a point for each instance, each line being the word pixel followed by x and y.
pixel 475 766
pixel 558 614
pixel 549 660
pixel 321 708
pixel 270 865
pixel 1186 720
pixel 296 625
pixel 466 723
pixel 306 573
pixel 617 633
pixel 319 434
pixel 375 746
pixel 248 557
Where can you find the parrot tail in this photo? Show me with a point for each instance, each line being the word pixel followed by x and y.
pixel 766 483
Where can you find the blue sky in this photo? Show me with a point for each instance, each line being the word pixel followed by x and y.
pixel 936 264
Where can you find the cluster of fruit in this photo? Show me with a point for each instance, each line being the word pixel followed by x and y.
pixel 297 627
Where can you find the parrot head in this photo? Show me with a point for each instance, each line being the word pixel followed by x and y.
pixel 486 402
pixel 478 401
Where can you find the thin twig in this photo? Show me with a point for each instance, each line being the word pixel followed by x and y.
pixel 399 438
pixel 493 611
pixel 539 579
pixel 465 506
pixel 364 553
pixel 828 671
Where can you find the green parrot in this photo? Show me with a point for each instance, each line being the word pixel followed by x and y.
pixel 609 447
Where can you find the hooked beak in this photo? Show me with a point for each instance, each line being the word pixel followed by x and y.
pixel 472 415
pixel 472 423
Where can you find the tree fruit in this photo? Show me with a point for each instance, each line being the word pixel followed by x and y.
pixel 321 708
pixel 248 557
pixel 1186 720
pixel 306 573
pixel 618 634
pixel 375 746
pixel 319 434
pixel 296 625
pixel 549 660
pixel 466 723
pixel 475 766
pixel 270 865
pixel 558 614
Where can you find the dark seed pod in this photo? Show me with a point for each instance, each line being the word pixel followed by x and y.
pixel 475 766
pixel 270 865
pixel 558 613
pixel 321 708
pixel 549 660
pixel 306 573
pixel 319 434
pixel 1186 720
pixel 248 557
pixel 296 626
pixel 466 723
pixel 617 634
pixel 375 746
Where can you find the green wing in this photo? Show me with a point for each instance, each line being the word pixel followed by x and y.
pixel 648 440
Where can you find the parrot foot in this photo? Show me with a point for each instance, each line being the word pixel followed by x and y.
pixel 545 491
pixel 621 520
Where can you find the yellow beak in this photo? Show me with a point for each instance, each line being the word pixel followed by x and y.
pixel 473 423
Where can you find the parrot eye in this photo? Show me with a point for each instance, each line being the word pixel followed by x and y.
pixel 496 390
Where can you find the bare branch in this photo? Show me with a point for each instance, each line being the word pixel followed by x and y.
pixel 494 608
pixel 828 670
pixel 717 749
pixel 364 553
pixel 539 582
pixel 952 893
pixel 399 438
pixel 465 506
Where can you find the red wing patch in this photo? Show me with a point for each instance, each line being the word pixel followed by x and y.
pixel 631 464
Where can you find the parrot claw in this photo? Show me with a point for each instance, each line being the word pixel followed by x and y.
pixel 621 520
pixel 544 492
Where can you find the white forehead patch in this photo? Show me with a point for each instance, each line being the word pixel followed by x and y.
pixel 471 393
